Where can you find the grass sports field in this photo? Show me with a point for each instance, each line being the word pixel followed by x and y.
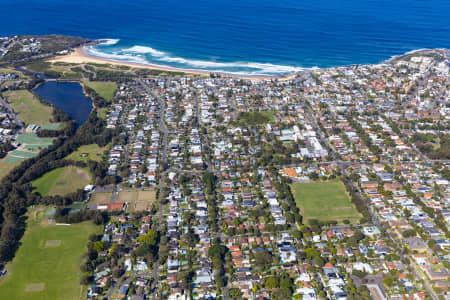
pixel 88 152
pixel 22 154
pixel 100 198
pixel 29 109
pixel 137 200
pixel 62 181
pixel 33 139
pixel 31 145
pixel 53 126
pixel 324 201
pixel 104 89
pixel 47 264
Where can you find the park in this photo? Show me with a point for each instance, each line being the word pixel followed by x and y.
pixel 324 201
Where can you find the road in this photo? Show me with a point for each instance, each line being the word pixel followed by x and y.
pixel 10 112
pixel 162 123
pixel 163 163
pixel 124 280
pixel 341 165
pixel 234 112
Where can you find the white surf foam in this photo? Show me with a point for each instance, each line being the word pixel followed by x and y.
pixel 144 49
pixel 91 50
pixel 109 42
pixel 139 54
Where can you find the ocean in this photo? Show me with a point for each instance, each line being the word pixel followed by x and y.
pixel 245 36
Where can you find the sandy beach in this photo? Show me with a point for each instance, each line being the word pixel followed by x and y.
pixel 79 56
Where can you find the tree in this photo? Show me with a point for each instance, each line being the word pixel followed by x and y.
pixel 85 279
pixel 263 259
pixel 150 238
pixel 319 261
pixel 217 251
pixel 286 283
pixel 209 179
pixel 281 294
pixel 235 293
pixel 87 267
pixel 272 283
pixel 409 233
pixel 191 237
pixel 219 278
pixel 297 234
pixel 98 246
pixel 185 278
pixel 388 281
pixel 359 274
pixel 93 237
pixel 431 243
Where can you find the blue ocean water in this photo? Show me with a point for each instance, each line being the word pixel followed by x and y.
pixel 250 36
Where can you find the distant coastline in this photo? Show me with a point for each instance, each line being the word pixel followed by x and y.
pixel 80 55
pixel 280 37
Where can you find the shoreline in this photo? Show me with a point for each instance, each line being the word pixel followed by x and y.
pixel 79 56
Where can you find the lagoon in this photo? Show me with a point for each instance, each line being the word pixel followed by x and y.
pixel 67 96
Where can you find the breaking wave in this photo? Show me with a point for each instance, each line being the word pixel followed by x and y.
pixel 150 56
pixel 109 42
pixel 143 49
pixel 92 50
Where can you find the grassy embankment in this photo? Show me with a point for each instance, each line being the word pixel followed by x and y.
pixel 29 109
pixel 105 89
pixel 88 152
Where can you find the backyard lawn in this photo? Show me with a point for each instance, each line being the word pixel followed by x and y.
pixel 62 181
pixel 324 201
pixel 47 264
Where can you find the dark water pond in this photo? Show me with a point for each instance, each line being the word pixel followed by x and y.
pixel 40 75
pixel 67 96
